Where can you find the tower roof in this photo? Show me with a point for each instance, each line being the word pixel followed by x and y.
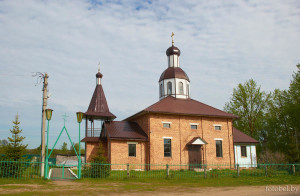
pixel 98 107
pixel 173 72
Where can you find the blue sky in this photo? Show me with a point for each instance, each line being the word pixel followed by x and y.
pixel 222 43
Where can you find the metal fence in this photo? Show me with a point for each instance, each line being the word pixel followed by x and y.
pixel 31 170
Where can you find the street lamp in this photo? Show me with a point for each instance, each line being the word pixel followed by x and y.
pixel 48 117
pixel 79 120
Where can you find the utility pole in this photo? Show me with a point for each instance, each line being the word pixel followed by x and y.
pixel 45 97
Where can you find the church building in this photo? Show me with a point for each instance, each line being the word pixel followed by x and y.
pixel 175 130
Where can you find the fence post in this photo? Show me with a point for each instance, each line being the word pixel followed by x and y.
pixel 238 169
pixel 168 171
pixel 266 171
pixel 294 170
pixel 128 171
pixel 204 171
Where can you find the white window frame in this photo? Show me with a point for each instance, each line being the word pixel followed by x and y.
pixel 217 125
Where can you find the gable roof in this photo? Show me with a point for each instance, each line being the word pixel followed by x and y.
pixel 125 130
pixel 98 107
pixel 197 141
pixel 240 137
pixel 172 105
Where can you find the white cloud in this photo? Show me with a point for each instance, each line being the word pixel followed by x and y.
pixel 222 44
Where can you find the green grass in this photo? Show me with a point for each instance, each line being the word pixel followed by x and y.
pixel 4 181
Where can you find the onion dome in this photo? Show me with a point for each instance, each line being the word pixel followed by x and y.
pixel 99 75
pixel 173 50
pixel 173 72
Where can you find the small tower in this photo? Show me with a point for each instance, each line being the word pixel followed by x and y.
pixel 174 81
pixel 98 110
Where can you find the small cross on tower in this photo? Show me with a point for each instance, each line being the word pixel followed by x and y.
pixel 172 35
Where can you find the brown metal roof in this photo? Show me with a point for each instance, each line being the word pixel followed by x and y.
pixel 98 107
pixel 125 130
pixel 173 50
pixel 240 137
pixel 172 105
pixel 173 72
pixel 91 139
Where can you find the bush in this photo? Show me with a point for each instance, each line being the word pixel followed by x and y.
pixel 99 168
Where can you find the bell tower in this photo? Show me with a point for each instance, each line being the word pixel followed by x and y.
pixel 174 81
pixel 98 110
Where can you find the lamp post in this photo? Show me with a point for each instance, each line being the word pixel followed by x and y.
pixel 79 120
pixel 48 117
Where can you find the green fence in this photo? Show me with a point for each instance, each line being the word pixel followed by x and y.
pixel 30 170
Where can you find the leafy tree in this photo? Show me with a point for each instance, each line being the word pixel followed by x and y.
pixel 249 102
pixel 15 149
pixel 76 145
pixel 282 120
pixel 64 147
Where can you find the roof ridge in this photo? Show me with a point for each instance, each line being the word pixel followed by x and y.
pixel 211 106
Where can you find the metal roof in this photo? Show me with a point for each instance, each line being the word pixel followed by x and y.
pixel 98 107
pixel 172 105
pixel 173 72
pixel 125 130
pixel 240 137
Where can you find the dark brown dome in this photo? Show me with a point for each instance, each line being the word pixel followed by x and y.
pixel 99 75
pixel 173 72
pixel 173 50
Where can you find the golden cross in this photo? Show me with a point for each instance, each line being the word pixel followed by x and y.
pixel 172 39
pixel 99 66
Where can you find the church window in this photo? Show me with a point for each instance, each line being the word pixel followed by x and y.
pixel 243 151
pixel 187 90
pixel 219 151
pixel 167 125
pixel 132 150
pixel 169 85
pixel 194 126
pixel 180 85
pixel 161 90
pixel 218 127
pixel 167 148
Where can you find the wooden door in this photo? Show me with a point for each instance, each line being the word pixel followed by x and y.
pixel 195 159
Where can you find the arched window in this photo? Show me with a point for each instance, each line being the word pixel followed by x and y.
pixel 160 90
pixel 169 85
pixel 180 86
pixel 188 90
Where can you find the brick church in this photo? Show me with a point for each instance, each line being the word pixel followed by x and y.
pixel 175 130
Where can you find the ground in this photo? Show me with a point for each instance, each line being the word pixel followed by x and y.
pixel 63 187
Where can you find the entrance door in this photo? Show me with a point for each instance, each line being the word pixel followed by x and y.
pixel 195 159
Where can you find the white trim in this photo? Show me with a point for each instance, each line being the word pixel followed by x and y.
pixel 198 141
pixel 194 123
pixel 167 137
pixel 50 174
pixel 166 122
pixel 132 143
pixel 218 138
pixel 73 172
pixel 217 125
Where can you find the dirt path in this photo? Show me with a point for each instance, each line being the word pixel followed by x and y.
pixel 74 188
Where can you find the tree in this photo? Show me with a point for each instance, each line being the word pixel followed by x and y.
pixel 15 149
pixel 99 167
pixel 64 147
pixel 249 102
pixel 76 145
pixel 282 123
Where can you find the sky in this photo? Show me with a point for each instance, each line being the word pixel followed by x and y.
pixel 222 43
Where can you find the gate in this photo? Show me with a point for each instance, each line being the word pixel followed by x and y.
pixel 61 171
